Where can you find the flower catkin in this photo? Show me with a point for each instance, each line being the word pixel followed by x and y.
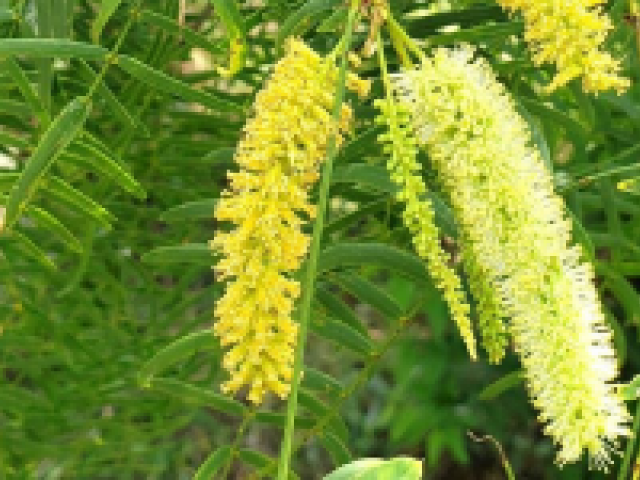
pixel 518 239
pixel 418 216
pixel 570 33
pixel 267 203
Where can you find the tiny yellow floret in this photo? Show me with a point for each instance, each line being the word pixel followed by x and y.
pixel 625 185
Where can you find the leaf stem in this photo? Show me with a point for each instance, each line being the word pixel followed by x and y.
pixel 385 79
pixel 309 283
pixel 631 446
pixel 246 421
pixel 112 57
pixel 587 180
pixel 402 37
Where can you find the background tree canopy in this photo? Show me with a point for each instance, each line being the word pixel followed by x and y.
pixel 119 121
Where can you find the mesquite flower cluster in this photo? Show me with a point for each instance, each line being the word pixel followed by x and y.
pixel 530 284
pixel 267 203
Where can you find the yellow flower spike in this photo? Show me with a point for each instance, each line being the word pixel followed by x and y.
pixel 518 239
pixel 571 34
pixel 419 217
pixel 267 202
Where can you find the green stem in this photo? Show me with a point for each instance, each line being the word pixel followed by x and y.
pixel 396 31
pixel 246 420
pixel 584 181
pixel 309 284
pixel 388 88
pixel 365 374
pixel 631 446
pixel 112 57
pixel 337 50
pixel 399 46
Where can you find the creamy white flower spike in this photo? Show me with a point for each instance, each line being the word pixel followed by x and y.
pixel 517 242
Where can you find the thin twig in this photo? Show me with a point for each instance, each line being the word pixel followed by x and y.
pixel 503 457
pixel 631 446
pixel 309 284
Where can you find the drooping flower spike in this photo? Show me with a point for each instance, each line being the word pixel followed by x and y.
pixel 571 34
pixel 517 243
pixel 267 203
pixel 400 145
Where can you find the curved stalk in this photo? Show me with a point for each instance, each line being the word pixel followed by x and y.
pixel 402 38
pixel 631 446
pixel 309 283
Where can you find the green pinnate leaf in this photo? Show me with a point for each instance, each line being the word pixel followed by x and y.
pixel 51 48
pixel 197 395
pixel 214 463
pixel 177 351
pixel 106 11
pixel 196 253
pixel 196 210
pixel 61 132
pixel 373 254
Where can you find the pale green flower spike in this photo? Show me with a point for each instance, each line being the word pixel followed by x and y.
pixel 418 216
pixel 518 238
